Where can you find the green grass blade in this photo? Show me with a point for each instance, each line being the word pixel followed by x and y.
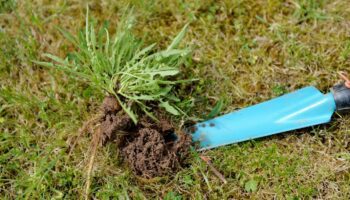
pixel 127 110
pixel 68 36
pixel 175 43
pixel 169 108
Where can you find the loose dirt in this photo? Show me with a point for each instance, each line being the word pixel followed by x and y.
pixel 150 149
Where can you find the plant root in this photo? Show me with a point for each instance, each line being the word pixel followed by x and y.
pixel 213 169
pixel 94 146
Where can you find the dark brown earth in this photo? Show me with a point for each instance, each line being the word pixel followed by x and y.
pixel 148 148
pixel 151 154
pixel 110 105
pixel 112 120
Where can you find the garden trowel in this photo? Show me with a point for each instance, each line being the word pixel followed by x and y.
pixel 302 108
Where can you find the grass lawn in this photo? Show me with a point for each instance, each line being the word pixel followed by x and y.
pixel 243 52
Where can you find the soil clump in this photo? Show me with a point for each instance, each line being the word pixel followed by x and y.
pixel 149 148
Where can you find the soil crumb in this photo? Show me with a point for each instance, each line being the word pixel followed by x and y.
pixel 151 153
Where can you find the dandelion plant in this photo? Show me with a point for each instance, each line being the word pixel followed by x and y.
pixel 121 66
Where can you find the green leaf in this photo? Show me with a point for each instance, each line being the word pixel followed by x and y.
pixel 165 72
pixel 178 38
pixel 88 92
pixel 127 110
pixel 2 120
pixel 44 64
pixel 172 196
pixel 169 108
pixel 251 186
pixel 143 97
pixel 216 110
pixel 68 36
pixel 55 58
pixel 279 90
pixel 149 113
pixel 172 52
pixel 144 51
pixel 106 47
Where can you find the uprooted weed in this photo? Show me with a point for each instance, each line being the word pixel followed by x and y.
pixel 134 79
